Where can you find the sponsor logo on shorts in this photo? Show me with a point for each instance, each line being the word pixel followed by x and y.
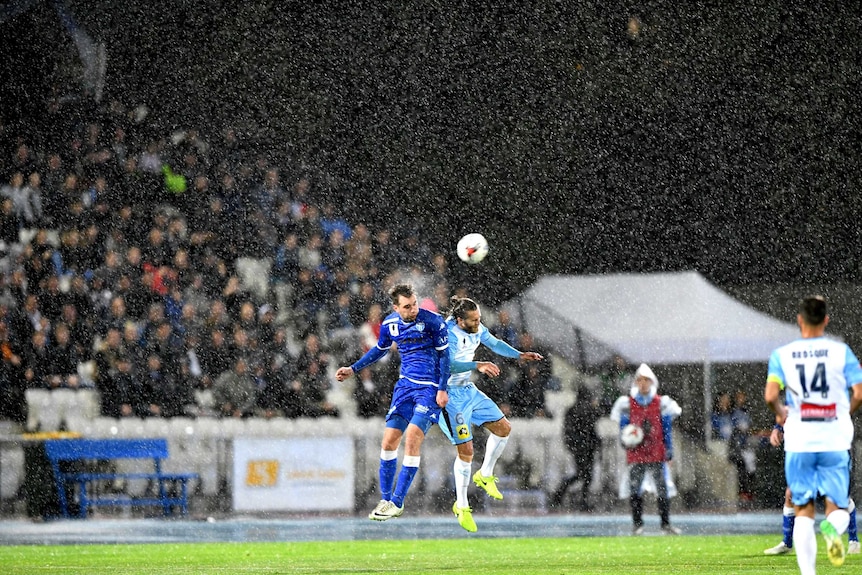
pixel 422 409
pixel 462 431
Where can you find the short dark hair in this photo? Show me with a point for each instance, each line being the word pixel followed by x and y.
pixel 813 309
pixel 460 306
pixel 399 290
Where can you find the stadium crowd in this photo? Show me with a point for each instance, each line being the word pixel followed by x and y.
pixel 182 276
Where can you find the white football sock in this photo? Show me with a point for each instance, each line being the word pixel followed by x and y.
pixel 462 481
pixel 805 544
pixel 839 519
pixel 493 449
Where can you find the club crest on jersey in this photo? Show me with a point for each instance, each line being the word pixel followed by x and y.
pixel 420 326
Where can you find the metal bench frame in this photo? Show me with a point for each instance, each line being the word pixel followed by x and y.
pixel 58 450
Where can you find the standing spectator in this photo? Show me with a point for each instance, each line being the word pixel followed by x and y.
pixel 235 390
pixel 654 414
pixel 13 399
pixel 741 454
pixel 37 360
pixel 722 417
pixel 581 439
pixel 63 361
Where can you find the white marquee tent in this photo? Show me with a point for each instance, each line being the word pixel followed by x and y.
pixel 660 318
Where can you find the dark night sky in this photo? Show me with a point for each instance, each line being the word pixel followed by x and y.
pixel 723 138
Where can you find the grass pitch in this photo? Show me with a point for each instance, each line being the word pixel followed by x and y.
pixel 522 556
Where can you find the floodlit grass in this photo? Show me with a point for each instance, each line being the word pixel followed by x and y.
pixel 584 555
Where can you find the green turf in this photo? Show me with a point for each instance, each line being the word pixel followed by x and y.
pixel 583 555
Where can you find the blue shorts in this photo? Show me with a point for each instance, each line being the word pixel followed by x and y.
pixel 413 404
pixel 468 406
pixel 827 473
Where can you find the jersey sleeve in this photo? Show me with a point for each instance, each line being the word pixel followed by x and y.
pixel 669 407
pixel 775 374
pixel 620 411
pixel 498 346
pixel 852 369
pixel 441 345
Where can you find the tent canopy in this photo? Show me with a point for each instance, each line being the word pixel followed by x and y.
pixel 660 318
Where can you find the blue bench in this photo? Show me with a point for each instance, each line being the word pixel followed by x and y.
pixel 86 450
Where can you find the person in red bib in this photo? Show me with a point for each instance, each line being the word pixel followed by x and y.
pixel 653 414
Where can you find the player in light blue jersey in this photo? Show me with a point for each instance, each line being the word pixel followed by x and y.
pixel 419 395
pixel 469 406
pixel 816 374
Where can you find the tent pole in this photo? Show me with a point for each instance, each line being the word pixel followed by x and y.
pixel 579 343
pixel 707 401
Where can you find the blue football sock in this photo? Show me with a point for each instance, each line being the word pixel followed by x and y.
pixel 405 478
pixel 789 520
pixel 388 467
pixel 852 534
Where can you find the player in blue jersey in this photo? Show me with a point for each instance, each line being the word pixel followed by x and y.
pixel 822 380
pixel 419 395
pixel 469 406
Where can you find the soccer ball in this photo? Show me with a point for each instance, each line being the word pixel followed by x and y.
pixel 631 436
pixel 472 248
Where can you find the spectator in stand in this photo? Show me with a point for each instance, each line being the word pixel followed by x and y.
pixel 31 202
pixel 340 331
pixel 235 390
pixel 270 193
pixel 156 387
pixel 286 264
pixel 385 252
pixel 9 225
pixel 372 398
pixel 80 331
pixel 17 192
pixel 359 252
pixel 13 384
pixel 36 361
pixel 331 222
pixel 526 398
pixel 361 302
pixel 310 298
pixel 334 253
pixel 215 356
pixel 551 383
pixel 63 361
pixel 39 261
pixel 217 316
pixel 107 384
pixel 306 393
pixel 51 298
pixel 504 330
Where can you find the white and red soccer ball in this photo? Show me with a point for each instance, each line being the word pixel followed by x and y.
pixel 472 248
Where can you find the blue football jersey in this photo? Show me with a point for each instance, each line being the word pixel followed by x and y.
pixel 419 343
